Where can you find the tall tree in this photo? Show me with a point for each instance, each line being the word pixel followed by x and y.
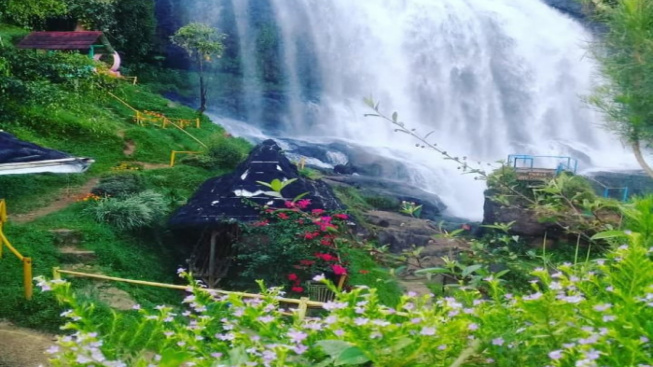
pixel 24 12
pixel 625 54
pixel 202 43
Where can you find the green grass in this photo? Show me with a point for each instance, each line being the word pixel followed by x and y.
pixel 363 270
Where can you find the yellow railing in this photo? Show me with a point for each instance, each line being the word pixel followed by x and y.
pixel 302 304
pixel 27 261
pixel 159 119
pixel 173 155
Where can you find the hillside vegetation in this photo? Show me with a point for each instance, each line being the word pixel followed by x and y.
pixel 64 101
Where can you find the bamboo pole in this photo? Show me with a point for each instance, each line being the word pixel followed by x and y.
pixel 181 287
pixel 27 277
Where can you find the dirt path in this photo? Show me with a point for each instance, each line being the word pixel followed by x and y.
pixel 21 347
pixel 65 197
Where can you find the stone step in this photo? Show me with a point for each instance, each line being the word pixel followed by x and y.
pixel 76 255
pixel 63 237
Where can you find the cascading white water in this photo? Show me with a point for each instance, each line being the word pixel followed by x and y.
pixel 490 77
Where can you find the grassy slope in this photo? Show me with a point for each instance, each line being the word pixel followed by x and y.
pixel 99 126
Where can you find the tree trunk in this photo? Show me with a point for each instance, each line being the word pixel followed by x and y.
pixel 640 158
pixel 202 88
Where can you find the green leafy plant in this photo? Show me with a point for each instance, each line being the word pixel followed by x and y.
pixel 129 212
pixel 595 314
pixel 411 209
pixel 120 185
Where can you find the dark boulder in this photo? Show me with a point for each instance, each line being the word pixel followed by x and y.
pixel 526 222
pixel 237 196
pixel 376 187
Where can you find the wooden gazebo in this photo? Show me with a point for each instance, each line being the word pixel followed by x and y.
pixel 94 43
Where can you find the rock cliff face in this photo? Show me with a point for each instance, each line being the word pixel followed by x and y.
pixel 400 232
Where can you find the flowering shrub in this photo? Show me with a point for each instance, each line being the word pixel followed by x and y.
pixel 594 314
pixel 291 245
pixel 89 197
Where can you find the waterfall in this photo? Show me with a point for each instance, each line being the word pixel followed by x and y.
pixel 489 77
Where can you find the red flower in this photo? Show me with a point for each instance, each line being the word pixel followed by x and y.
pixel 317 211
pixel 303 204
pixel 306 262
pixel 310 235
pixel 326 242
pixel 283 216
pixel 338 270
pixel 292 277
pixel 262 223
pixel 326 257
pixel 364 271
pixel 297 289
pixel 289 204
pixel 341 216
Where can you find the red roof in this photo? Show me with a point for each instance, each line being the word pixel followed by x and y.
pixel 60 40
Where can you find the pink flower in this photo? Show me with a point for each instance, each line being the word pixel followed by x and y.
pixel 303 204
pixel 297 289
pixel 262 223
pixel 317 211
pixel 310 235
pixel 283 216
pixel 339 270
pixel 289 204
pixel 341 216
pixel 326 257
pixel 292 277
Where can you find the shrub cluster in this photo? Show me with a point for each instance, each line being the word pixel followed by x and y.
pixel 291 246
pixel 593 314
pixel 129 212
pixel 119 185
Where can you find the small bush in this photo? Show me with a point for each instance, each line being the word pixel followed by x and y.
pixel 119 185
pixel 383 203
pixel 227 152
pixel 199 160
pixel 131 212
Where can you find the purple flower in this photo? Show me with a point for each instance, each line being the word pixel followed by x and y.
pixel 339 332
pixel 602 307
pixel 52 350
pixel 442 347
pixel 300 348
pixel 360 321
pixel 555 355
pixel 296 336
pixel 428 331
pixel 498 341
pixel 592 354
pixel 319 278
pixel 608 318
pixel 533 297
pixel 330 306
pixel 216 355
pixel 266 319
pixel 472 327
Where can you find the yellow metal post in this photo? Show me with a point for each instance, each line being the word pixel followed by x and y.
pixel 3 219
pixel 56 275
pixel 197 123
pixel 172 158
pixel 27 277
pixel 303 306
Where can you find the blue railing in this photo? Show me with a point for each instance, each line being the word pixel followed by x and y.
pixel 559 163
pixel 623 190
